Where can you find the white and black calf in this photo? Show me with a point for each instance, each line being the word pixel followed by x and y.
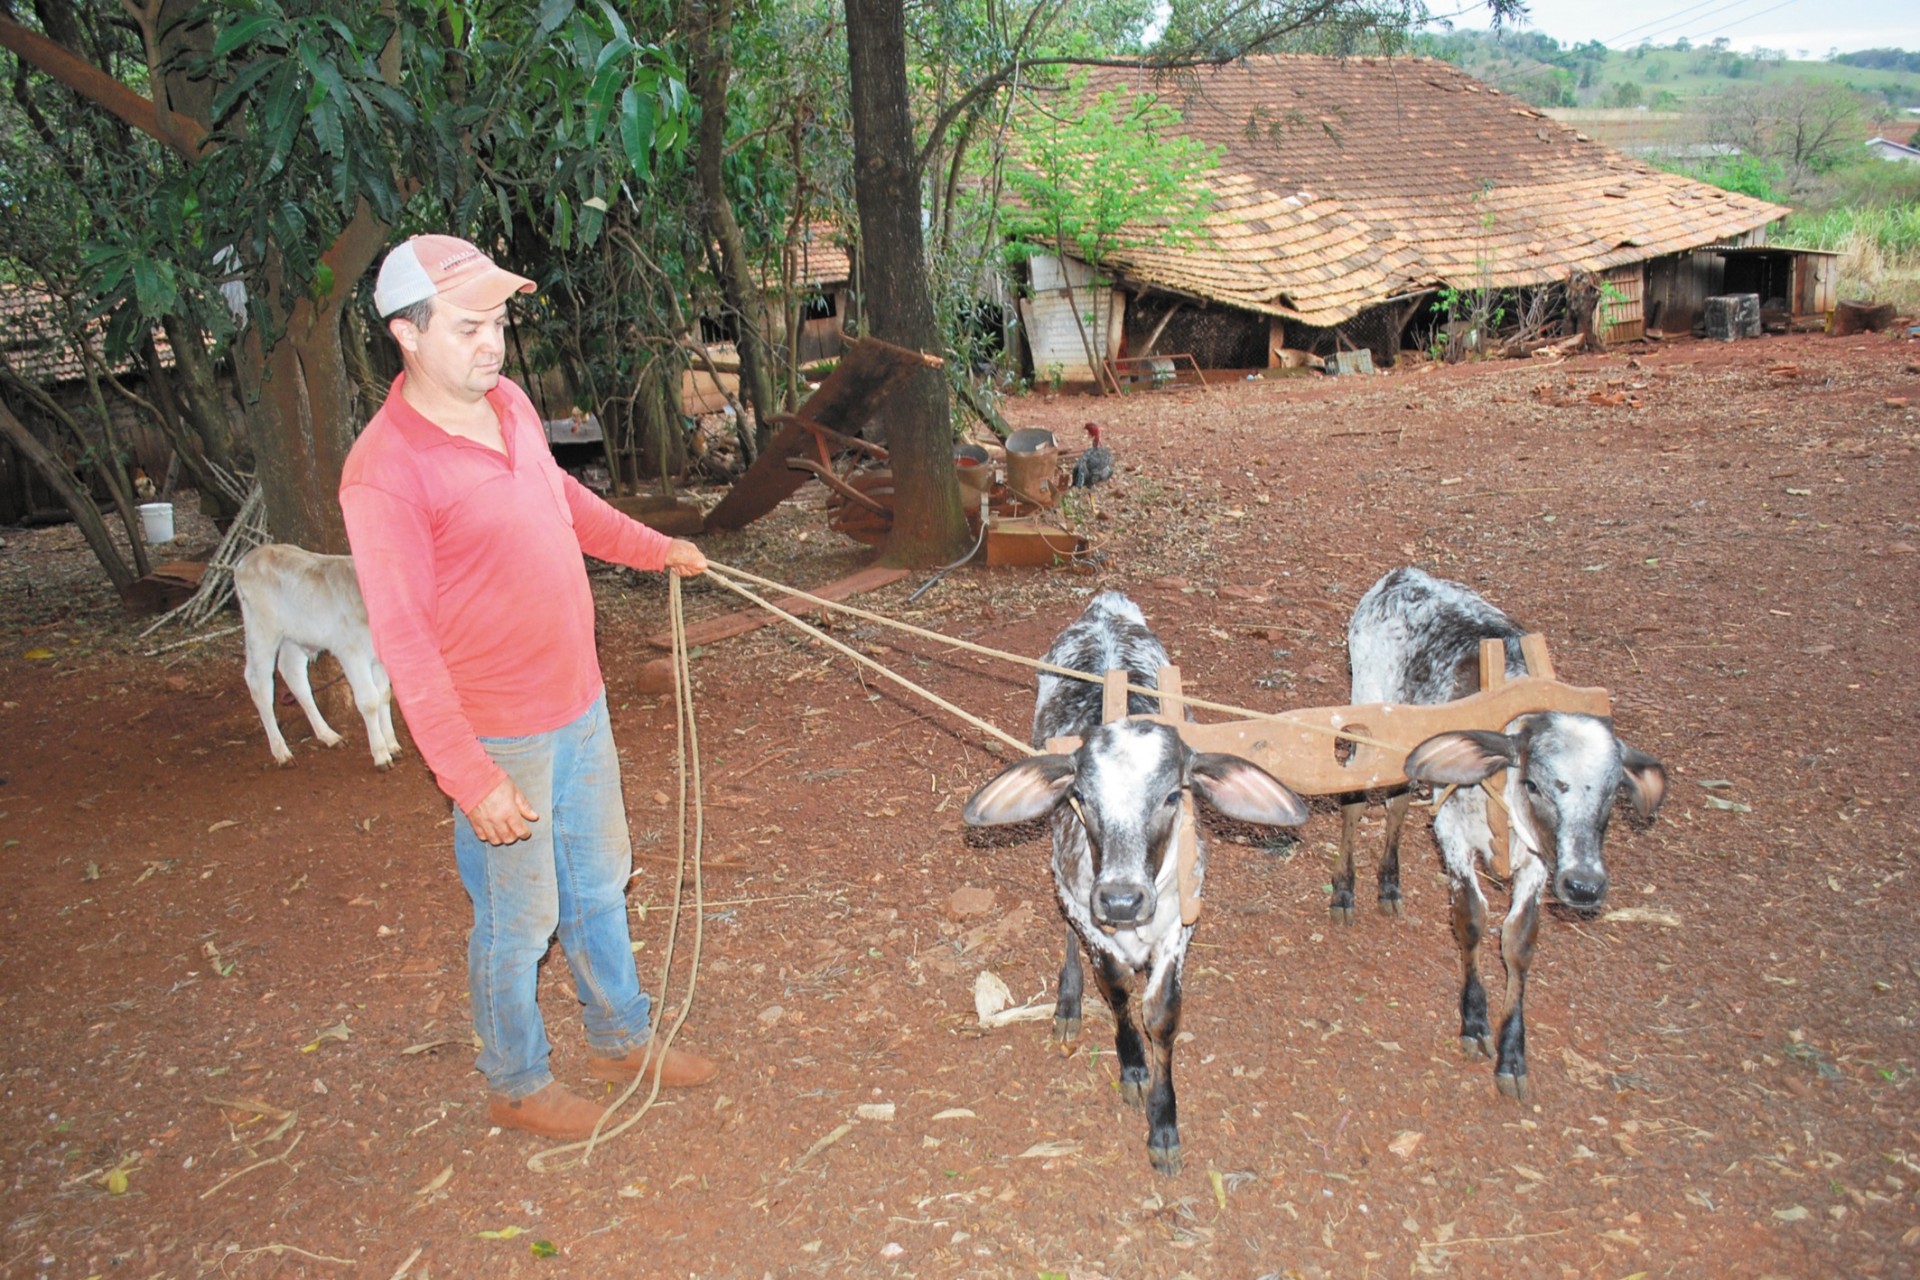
pixel 1415 638
pixel 296 605
pixel 1117 813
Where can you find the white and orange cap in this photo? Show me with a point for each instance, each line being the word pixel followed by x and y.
pixel 443 267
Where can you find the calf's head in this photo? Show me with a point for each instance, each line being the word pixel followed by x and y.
pixel 1126 782
pixel 1566 770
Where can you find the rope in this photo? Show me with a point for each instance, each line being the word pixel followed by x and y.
pixel 862 658
pixel 722 573
pixel 688 754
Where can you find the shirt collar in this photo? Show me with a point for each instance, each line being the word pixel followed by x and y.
pixel 422 432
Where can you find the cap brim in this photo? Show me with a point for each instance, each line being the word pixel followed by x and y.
pixel 487 291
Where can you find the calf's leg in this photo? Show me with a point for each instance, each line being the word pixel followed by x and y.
pixel 1066 1009
pixel 1160 1019
pixel 385 686
pixel 1390 863
pixel 1341 905
pixel 1517 938
pixel 1469 926
pixel 261 648
pixel 1114 984
pixel 293 669
pixel 358 668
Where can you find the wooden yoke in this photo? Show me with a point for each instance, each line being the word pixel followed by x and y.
pixel 1304 750
pixel 1187 852
pixel 1113 706
pixel 1493 676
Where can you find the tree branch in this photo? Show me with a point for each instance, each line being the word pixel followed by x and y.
pixel 179 133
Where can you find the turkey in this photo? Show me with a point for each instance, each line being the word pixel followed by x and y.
pixel 1096 464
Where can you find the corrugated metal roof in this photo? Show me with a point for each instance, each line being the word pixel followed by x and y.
pixel 1346 182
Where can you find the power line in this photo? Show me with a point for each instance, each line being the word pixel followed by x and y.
pixel 1654 22
pixel 1669 24
pixel 1739 21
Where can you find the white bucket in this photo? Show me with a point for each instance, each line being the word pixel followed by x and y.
pixel 156 521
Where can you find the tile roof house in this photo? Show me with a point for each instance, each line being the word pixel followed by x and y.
pixel 1348 184
pixel 37 347
pixel 1888 149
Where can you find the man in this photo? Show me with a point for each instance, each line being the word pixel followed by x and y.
pixel 467 541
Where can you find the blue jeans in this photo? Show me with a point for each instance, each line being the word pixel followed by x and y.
pixel 570 877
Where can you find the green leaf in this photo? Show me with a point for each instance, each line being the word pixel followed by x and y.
pixel 543 1249
pixel 552 14
pixel 243 32
pixel 240 86
pixel 153 286
pixel 322 282
pixel 636 130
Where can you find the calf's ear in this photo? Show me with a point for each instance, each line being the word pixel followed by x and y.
pixel 1020 792
pixel 1462 757
pixel 1646 780
pixel 1241 789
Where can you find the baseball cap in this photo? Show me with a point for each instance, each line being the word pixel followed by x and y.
pixel 443 267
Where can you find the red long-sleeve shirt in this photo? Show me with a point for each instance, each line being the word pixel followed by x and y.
pixel 470 563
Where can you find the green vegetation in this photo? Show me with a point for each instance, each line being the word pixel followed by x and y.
pixel 1790 131
pixel 1548 74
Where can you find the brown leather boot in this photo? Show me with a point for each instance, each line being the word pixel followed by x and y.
pixel 552 1112
pixel 679 1070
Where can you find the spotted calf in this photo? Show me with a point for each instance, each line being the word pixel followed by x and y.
pixel 1415 638
pixel 1117 812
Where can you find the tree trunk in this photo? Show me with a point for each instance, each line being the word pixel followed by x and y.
pixel 929 526
pixel 710 58
pixel 303 411
pixel 86 513
pixel 189 394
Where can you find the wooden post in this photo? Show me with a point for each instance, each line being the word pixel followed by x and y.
pixel 1493 674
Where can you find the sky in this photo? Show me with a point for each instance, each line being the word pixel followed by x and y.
pixel 1804 28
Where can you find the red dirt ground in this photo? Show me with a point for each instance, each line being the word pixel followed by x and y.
pixel 206 960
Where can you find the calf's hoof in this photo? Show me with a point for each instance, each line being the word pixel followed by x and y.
pixel 1476 1045
pixel 1066 1027
pixel 1515 1087
pixel 1390 903
pixel 1133 1091
pixel 1165 1159
pixel 1341 913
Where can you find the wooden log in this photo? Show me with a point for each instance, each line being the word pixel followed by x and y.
pixel 1856 315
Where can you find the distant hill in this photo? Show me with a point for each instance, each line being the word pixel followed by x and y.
pixel 1545 72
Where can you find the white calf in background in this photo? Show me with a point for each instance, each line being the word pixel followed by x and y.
pixel 296 605
pixel 1415 638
